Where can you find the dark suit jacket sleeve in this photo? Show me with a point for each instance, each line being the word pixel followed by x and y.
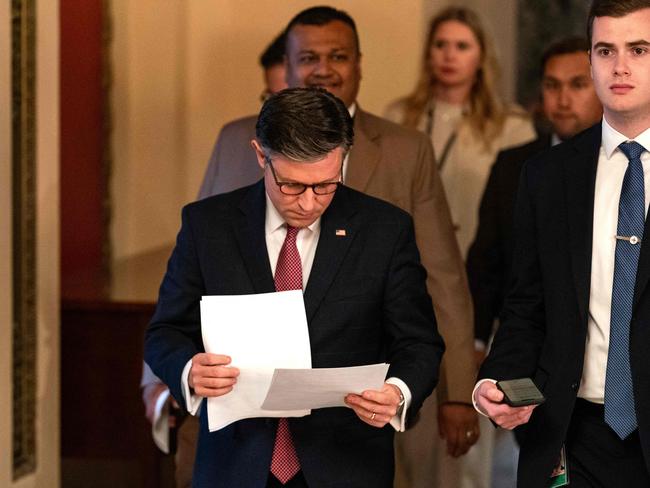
pixel 415 347
pixel 174 334
pixel 485 261
pixel 516 348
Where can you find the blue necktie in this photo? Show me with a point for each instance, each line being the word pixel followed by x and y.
pixel 619 397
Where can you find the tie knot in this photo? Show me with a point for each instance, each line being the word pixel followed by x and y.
pixel 292 232
pixel 632 150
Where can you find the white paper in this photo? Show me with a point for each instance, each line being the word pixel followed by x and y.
pixel 260 333
pixel 321 387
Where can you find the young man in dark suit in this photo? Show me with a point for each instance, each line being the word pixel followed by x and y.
pixel 577 317
pixel 365 298
pixel 570 105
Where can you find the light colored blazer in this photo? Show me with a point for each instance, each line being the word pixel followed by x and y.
pixel 395 164
pixel 467 167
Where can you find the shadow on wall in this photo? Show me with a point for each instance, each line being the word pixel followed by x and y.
pixel 540 23
pixel 137 278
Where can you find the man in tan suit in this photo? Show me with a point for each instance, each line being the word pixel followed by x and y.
pixel 389 162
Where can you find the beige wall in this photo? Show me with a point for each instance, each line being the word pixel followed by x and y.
pixel 47 253
pixel 182 68
pixel 149 115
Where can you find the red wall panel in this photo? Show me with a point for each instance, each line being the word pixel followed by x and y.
pixel 83 188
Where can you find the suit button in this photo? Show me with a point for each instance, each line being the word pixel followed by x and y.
pixel 574 386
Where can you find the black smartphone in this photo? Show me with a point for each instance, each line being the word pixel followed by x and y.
pixel 520 392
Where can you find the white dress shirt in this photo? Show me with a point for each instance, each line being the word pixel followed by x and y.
pixel 275 231
pixel 612 164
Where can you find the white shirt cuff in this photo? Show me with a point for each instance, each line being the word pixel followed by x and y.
pixel 476 387
pixel 160 424
pixel 399 423
pixel 192 402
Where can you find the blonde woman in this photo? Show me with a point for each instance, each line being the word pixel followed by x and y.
pixel 455 101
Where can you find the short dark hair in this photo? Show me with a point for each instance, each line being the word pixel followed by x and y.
pixel 274 52
pixel 323 15
pixel 612 8
pixel 304 124
pixel 567 45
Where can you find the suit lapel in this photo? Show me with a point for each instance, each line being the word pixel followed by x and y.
pixel 365 153
pixel 249 231
pixel 580 182
pixel 338 230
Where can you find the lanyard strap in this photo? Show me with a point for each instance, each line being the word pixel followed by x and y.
pixel 450 141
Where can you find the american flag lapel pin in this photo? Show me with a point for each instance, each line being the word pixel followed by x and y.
pixel 340 233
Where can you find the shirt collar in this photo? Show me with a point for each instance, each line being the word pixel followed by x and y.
pixel 352 109
pixel 274 221
pixel 555 139
pixel 611 139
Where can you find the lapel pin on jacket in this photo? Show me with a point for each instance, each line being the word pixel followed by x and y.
pixel 340 233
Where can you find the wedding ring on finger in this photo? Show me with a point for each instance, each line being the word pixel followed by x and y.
pixel 372 417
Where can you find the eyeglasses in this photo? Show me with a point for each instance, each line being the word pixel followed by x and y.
pixel 291 188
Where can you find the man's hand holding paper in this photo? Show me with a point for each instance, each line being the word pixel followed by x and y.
pixel 376 407
pixel 211 375
pixel 271 331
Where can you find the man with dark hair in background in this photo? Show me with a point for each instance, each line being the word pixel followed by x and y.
pixel 365 298
pixel 577 315
pixel 272 61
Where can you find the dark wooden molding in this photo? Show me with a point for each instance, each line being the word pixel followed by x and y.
pixel 23 107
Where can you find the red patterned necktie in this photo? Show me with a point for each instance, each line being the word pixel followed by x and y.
pixel 288 276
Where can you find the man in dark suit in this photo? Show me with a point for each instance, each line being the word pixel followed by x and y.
pixel 365 299
pixel 577 316
pixel 389 162
pixel 570 105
